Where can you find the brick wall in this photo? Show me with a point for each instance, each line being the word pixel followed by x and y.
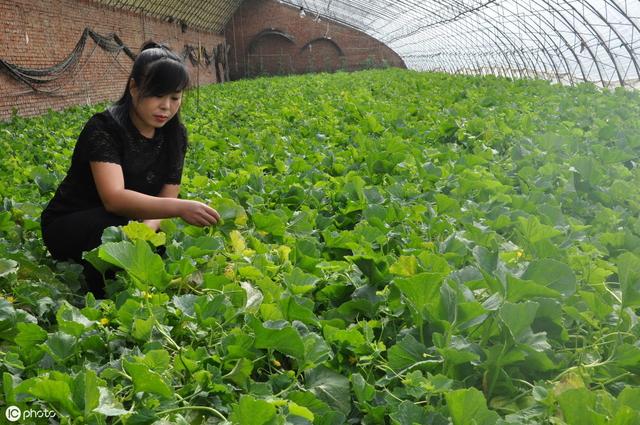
pixel 267 37
pixel 41 33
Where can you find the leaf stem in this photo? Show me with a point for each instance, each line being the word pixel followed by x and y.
pixel 183 408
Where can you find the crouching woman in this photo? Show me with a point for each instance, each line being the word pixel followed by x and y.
pixel 126 165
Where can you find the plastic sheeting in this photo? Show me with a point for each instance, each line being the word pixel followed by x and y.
pixel 568 41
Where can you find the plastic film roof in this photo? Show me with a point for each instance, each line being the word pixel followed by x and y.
pixel 209 15
pixel 567 41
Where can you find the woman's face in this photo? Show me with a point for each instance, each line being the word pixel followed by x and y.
pixel 154 112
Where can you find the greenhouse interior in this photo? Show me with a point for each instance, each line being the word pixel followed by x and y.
pixel 320 212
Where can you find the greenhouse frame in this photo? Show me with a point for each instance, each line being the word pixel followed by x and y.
pixel 564 41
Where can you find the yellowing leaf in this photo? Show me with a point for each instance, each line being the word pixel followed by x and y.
pixel 405 266
pixel 136 230
pixel 237 242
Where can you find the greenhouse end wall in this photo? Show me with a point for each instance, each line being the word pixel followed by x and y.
pixel 270 38
pixel 43 33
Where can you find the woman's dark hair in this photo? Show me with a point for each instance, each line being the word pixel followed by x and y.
pixel 157 71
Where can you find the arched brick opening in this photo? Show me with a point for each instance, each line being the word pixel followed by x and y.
pixel 321 54
pixel 271 52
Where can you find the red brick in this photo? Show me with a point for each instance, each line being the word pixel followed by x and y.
pixel 275 55
pixel 53 28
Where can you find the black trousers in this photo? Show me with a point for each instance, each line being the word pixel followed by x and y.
pixel 68 236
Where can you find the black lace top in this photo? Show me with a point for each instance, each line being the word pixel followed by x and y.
pixel 109 136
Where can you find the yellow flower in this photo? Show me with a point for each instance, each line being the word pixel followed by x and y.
pixel 10 299
pixel 104 321
pixel 276 363
pixel 519 254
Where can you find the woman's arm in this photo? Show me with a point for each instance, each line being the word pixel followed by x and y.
pixel 167 191
pixel 128 203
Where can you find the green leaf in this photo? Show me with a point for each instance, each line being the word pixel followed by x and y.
pixel 57 392
pixel 628 356
pixel 89 396
pixel 363 391
pixel 29 335
pixel 300 282
pixel 8 316
pixel 8 267
pixel 269 223
pixel 146 380
pixel 93 258
pixel 241 372
pixel 629 276
pixel 138 260
pixel 210 310
pixel 230 212
pixel 630 396
pixel 518 289
pixel 280 336
pixel 141 329
pixel 71 320
pixel 6 223
pixel 316 351
pixel 254 297
pixel 298 308
pixel 201 246
pixel 578 408
pixel 7 388
pixel 552 274
pixel 625 415
pixel 301 411
pixel 469 407
pixel 409 413
pixel 422 293
pixel 324 415
pixel 250 411
pixel 331 387
pixel 157 360
pixel 487 260
pixel 534 231
pixel 460 351
pixel 185 303
pixel 60 346
pixel 13 363
pixel 518 317
pixel 374 267
pixel 446 205
pixel 406 353
pixel 350 337
pixel 302 222
pixel 108 405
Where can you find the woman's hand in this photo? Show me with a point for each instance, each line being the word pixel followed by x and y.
pixel 197 213
pixel 153 224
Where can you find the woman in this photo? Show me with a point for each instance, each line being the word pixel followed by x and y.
pixel 127 164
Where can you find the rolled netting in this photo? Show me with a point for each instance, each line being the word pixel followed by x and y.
pixel 37 77
pixel 42 79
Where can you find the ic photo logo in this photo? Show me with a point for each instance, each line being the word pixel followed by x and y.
pixel 13 413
